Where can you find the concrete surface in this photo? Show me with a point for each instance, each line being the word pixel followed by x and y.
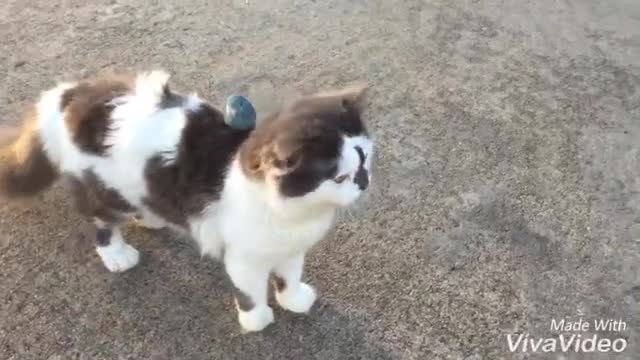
pixel 507 190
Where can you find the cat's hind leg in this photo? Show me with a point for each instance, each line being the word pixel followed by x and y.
pixel 107 210
pixel 115 253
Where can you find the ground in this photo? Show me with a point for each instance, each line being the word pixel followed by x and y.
pixel 506 190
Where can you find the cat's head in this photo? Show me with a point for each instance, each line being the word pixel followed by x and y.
pixel 314 152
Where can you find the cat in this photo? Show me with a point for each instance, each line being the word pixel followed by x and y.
pixel 257 199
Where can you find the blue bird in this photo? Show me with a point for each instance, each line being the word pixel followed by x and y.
pixel 239 113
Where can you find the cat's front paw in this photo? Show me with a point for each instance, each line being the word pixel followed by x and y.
pixel 297 299
pixel 255 319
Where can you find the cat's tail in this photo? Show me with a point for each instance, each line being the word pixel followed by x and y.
pixel 25 168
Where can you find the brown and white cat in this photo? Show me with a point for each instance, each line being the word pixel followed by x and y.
pixel 258 198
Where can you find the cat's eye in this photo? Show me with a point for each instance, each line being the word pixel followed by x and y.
pixel 340 179
pixel 291 162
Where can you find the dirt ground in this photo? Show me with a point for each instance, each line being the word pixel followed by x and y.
pixel 506 195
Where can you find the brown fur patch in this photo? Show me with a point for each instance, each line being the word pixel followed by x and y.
pixel 243 301
pixel 280 283
pixel 25 168
pixel 185 186
pixel 93 199
pixel 108 196
pixel 88 111
pixel 170 99
pixel 103 236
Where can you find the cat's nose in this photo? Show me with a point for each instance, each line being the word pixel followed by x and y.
pixel 361 178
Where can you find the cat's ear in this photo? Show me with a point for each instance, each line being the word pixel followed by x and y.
pixel 285 160
pixel 260 160
pixel 253 157
pixel 354 96
pixel 350 97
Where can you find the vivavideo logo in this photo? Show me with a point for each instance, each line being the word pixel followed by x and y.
pixel 575 336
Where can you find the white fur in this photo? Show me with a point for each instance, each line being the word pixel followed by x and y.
pixel 118 255
pixel 298 299
pixel 297 296
pixel 257 230
pixel 255 319
pixel 51 120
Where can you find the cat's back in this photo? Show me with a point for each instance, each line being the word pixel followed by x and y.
pixel 113 127
pixel 96 120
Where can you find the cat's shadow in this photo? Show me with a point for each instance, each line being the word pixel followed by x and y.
pixel 173 305
pixel 181 306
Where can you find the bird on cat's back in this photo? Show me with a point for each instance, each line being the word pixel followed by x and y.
pixel 239 113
